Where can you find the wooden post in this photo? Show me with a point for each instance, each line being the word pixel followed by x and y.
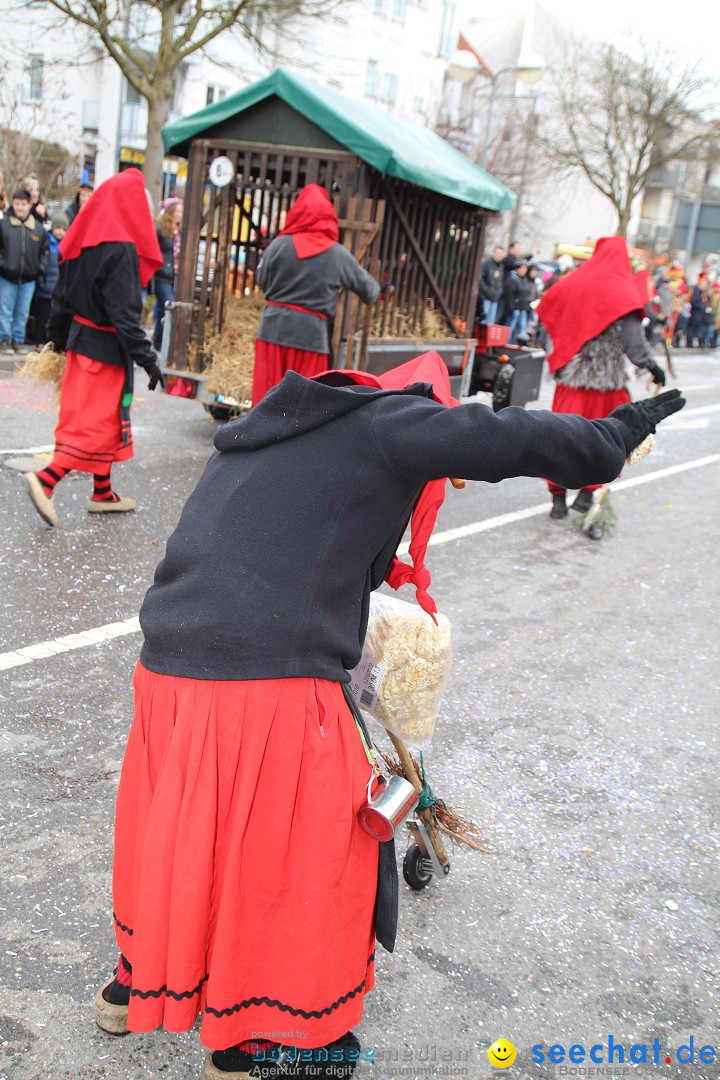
pixel 185 289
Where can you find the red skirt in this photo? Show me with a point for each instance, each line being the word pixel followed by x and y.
pixel 88 436
pixel 243 885
pixel 272 361
pixel 592 404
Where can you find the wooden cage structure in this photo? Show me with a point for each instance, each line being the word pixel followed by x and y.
pixel 425 246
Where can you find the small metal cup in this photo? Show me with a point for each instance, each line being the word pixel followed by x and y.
pixel 387 809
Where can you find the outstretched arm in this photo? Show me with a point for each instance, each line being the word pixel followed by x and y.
pixel 422 440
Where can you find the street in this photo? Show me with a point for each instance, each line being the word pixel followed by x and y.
pixel 579 730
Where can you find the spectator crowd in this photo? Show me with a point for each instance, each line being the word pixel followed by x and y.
pixel 30 237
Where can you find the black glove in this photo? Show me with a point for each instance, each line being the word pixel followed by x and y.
pixel 156 376
pixel 658 374
pixel 642 417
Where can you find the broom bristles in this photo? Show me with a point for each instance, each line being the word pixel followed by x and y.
pixel 44 366
pixel 448 820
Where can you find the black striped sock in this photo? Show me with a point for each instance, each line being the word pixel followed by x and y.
pixel 102 489
pixel 51 476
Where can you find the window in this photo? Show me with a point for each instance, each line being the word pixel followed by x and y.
pixel 35 80
pixel 372 78
pixel 398 10
pixel 132 95
pixel 210 95
pixel 380 8
pixel 389 88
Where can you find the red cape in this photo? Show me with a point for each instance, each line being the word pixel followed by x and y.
pixel 117 211
pixel 312 222
pixel 428 368
pixel 585 302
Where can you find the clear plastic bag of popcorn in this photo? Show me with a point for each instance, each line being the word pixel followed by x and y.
pixel 404 667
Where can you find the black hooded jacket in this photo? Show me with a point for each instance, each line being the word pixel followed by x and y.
pixel 299 512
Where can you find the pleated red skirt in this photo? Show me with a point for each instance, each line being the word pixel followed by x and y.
pixel 272 361
pixel 87 436
pixel 592 404
pixel 243 885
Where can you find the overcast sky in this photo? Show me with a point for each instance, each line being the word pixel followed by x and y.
pixel 693 28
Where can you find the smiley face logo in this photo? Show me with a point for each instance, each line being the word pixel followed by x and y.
pixel 502 1053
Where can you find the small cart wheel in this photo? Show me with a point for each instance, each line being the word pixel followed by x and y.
pixel 502 387
pixel 222 413
pixel 417 870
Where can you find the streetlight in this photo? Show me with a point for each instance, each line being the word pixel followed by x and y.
pixel 529 69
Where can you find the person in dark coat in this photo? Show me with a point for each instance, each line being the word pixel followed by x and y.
pixel 24 254
pixel 75 205
pixel 244 886
pixel 700 313
pixel 48 280
pixel 37 204
pixel 106 256
pixel 492 277
pixel 516 297
pixel 169 223
pixel 301 272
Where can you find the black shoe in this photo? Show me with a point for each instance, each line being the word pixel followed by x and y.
pixel 238 1062
pixel 336 1061
pixel 559 509
pixel 583 501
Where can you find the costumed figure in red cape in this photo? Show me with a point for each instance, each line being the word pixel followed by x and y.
pixel 245 890
pixel 300 273
pixel 594 318
pixel 107 255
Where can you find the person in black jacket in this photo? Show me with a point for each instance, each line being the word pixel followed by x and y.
pixel 48 280
pixel 24 254
pixel 492 277
pixel 244 886
pixel 516 296
pixel 169 222
pixel 75 205
pixel 107 255
pixel 37 205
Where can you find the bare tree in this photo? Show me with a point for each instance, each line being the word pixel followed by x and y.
pixel 24 150
pixel 150 39
pixel 617 117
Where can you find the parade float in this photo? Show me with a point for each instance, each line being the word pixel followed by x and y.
pixel 412 209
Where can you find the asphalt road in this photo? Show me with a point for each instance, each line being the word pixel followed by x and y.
pixel 579 730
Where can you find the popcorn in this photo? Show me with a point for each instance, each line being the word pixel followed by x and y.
pixel 415 655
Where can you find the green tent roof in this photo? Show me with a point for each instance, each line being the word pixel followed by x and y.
pixel 393 146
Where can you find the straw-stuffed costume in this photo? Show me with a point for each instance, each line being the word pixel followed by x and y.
pixel 593 317
pixel 109 252
pixel 244 887
pixel 300 273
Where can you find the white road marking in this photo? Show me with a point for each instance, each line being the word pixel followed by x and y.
pixel 44 649
pixel 679 423
pixel 29 450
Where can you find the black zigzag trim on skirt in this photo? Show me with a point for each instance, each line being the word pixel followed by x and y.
pixel 169 993
pixel 314 1014
pixel 125 929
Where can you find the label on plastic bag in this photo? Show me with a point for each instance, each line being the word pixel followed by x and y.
pixel 366 680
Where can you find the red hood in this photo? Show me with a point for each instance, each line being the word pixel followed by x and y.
pixel 117 211
pixel 428 368
pixel 312 222
pixel 586 301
